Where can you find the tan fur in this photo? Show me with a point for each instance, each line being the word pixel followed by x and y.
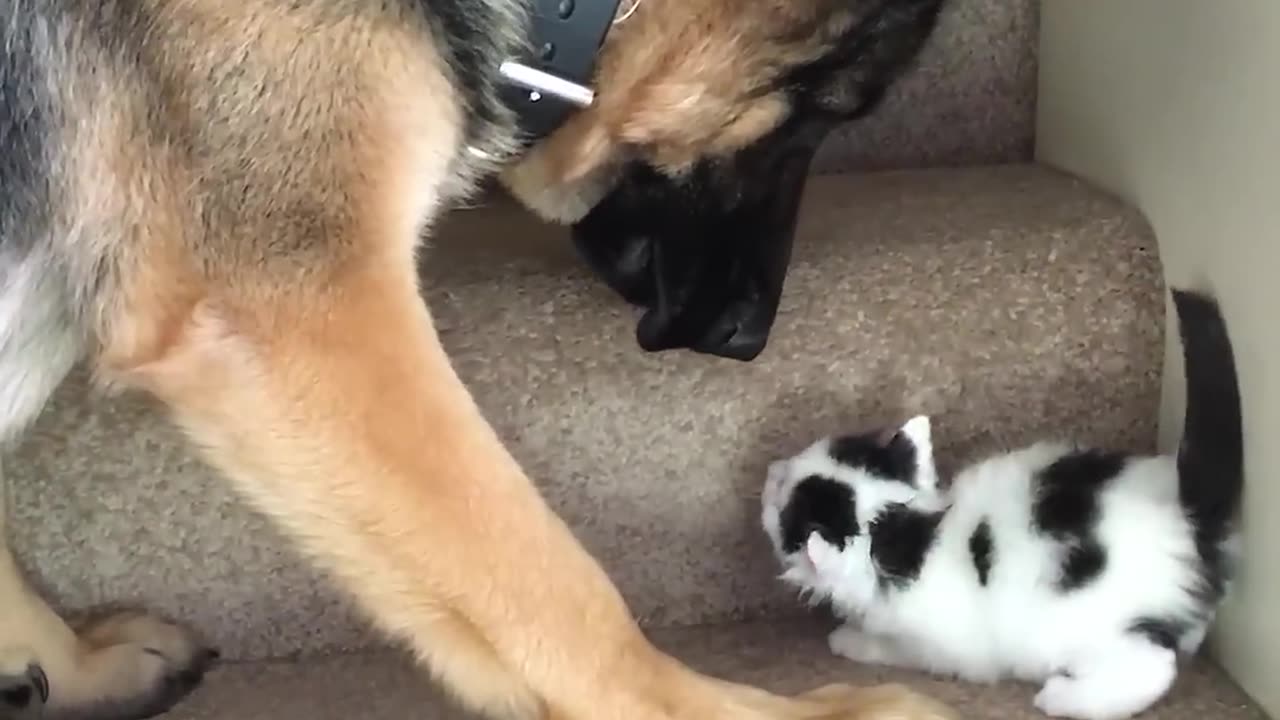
pixel 284 331
pixel 679 81
pixel 684 80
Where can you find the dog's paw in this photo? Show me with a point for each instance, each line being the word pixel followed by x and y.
pixel 140 667
pixel 24 688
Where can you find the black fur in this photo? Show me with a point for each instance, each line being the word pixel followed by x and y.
pixel 1211 456
pixel 982 550
pixel 1163 631
pixel 705 260
pixel 894 459
pixel 1066 508
pixel 706 253
pixel 464 29
pixel 822 505
pixel 1066 501
pixel 901 538
pixel 1082 563
pixel 26 126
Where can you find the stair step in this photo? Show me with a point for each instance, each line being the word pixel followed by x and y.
pixel 970 98
pixel 1013 301
pixel 788 657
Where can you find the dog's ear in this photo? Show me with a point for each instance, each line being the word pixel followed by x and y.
pixel 673 125
pixel 670 125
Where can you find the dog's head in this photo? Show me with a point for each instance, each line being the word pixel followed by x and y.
pixel 683 179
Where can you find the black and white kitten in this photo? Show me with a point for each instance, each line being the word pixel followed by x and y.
pixel 1085 570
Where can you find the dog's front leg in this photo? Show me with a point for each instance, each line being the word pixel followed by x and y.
pixel 335 410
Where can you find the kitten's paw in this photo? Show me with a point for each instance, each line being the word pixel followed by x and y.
pixel 847 642
pixel 1129 680
pixel 1068 698
pixel 860 647
pixel 1055 698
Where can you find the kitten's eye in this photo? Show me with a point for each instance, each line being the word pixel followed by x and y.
pixel 813 528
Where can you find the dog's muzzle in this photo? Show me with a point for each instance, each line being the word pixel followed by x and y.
pixel 706 255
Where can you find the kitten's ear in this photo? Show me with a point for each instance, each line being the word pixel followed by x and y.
pixel 919 431
pixel 821 553
pixel 916 430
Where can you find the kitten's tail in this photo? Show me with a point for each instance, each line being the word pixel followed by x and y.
pixel 1211 456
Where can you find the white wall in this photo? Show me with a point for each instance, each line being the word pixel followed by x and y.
pixel 1175 106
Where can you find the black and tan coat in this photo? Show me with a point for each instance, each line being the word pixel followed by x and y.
pixel 219 203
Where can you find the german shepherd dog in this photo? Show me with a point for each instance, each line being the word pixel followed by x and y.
pixel 221 204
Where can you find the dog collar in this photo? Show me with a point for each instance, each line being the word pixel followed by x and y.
pixel 556 79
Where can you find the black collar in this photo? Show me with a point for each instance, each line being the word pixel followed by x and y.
pixel 556 80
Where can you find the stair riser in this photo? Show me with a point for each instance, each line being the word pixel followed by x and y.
pixel 969 100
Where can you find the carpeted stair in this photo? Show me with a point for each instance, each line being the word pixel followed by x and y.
pixel 936 269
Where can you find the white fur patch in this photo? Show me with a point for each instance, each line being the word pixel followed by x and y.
pixel 38 345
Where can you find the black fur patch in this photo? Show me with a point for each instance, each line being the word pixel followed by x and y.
pixel 1067 507
pixel 26 124
pixel 1082 564
pixel 892 460
pixel 981 549
pixel 473 43
pixel 1067 491
pixel 900 541
pixel 822 505
pixel 1163 631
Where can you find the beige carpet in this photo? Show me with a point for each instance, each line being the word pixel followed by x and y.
pixel 1011 301
pixel 786 657
pixel 969 101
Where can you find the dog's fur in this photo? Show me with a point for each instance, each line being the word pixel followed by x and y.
pixel 705 252
pixel 220 203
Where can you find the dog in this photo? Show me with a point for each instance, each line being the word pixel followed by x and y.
pixel 221 204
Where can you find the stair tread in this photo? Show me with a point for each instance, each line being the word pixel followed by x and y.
pixel 785 657
pixel 1014 301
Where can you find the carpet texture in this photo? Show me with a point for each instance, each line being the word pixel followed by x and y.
pixel 1012 301
pixel 970 99
pixel 786 657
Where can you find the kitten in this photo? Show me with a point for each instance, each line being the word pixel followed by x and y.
pixel 1086 570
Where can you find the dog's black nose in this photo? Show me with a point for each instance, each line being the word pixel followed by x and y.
pixel 732 328
pixel 741 332
pixel 704 256
pixel 712 294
